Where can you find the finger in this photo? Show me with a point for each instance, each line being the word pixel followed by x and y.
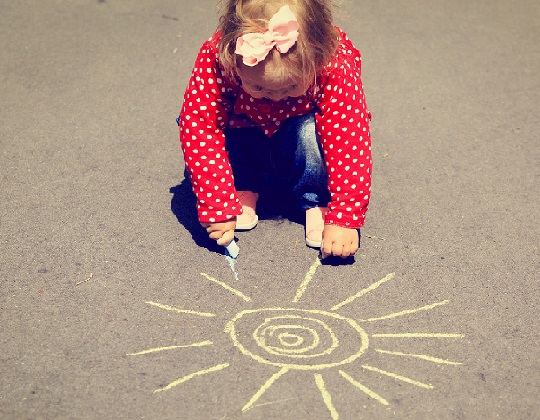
pixel 215 235
pixel 329 250
pixel 322 254
pixel 337 250
pixel 214 228
pixel 354 247
pixel 345 251
pixel 210 228
pixel 226 238
pixel 326 249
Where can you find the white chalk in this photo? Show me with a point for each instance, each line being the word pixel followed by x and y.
pixel 232 249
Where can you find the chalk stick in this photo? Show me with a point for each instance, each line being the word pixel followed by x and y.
pixel 232 249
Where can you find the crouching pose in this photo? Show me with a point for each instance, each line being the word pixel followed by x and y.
pixel 277 91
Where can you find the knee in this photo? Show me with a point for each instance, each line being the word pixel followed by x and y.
pixel 306 127
pixel 308 140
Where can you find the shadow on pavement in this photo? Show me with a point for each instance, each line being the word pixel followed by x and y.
pixel 271 206
pixel 184 207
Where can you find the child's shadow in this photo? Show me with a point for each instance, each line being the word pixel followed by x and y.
pixel 273 204
pixel 184 207
pixel 184 202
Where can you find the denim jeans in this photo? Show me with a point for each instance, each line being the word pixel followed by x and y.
pixel 290 159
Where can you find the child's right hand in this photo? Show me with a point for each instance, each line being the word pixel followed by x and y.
pixel 222 232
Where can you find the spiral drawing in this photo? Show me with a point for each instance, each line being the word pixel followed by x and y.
pixel 297 338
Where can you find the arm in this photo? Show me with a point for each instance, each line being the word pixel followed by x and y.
pixel 202 120
pixel 343 127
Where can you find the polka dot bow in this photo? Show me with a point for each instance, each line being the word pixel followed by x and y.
pixel 282 33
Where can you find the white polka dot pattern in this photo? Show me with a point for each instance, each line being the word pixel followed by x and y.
pixel 213 103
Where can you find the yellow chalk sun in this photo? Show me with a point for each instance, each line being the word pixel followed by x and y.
pixel 292 339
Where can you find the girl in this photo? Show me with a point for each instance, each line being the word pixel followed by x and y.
pixel 277 91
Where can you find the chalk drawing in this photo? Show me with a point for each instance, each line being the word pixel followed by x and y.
pixel 420 356
pixel 293 339
pixel 193 375
pixel 263 388
pixel 419 335
pixel 226 286
pixel 406 312
pixel 232 264
pixel 364 389
pixel 158 349
pixel 327 398
pixel 182 311
pixel 399 377
pixel 259 334
pixel 231 253
pixel 364 291
pixel 307 280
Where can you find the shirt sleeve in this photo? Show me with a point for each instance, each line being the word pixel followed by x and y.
pixel 202 120
pixel 343 127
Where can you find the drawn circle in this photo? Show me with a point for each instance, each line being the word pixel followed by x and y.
pixel 269 337
pixel 297 338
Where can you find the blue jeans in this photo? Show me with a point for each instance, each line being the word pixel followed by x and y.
pixel 290 159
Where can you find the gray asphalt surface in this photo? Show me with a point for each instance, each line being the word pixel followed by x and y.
pixel 101 258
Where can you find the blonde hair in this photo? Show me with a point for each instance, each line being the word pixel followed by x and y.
pixel 316 45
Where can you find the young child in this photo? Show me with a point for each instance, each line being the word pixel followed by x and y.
pixel 276 91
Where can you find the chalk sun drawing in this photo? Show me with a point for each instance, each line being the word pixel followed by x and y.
pixel 294 339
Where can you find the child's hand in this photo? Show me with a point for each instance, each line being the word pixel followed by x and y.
pixel 222 232
pixel 339 241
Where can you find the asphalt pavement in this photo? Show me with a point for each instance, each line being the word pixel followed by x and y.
pixel 113 305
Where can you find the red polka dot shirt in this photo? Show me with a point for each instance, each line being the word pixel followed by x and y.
pixel 213 102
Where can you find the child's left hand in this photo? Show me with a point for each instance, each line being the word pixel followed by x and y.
pixel 339 241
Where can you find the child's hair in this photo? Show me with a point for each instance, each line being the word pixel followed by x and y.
pixel 316 45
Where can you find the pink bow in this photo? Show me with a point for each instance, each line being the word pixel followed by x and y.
pixel 282 33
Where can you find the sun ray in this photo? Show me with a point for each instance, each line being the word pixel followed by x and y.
pixel 192 375
pixel 157 349
pixel 407 312
pixel 278 334
pixel 272 402
pixel 227 287
pixel 327 398
pixel 182 311
pixel 364 389
pixel 419 356
pixel 418 335
pixel 364 291
pixel 264 388
pixel 398 377
pixel 307 279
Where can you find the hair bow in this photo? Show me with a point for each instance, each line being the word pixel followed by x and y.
pixel 282 33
